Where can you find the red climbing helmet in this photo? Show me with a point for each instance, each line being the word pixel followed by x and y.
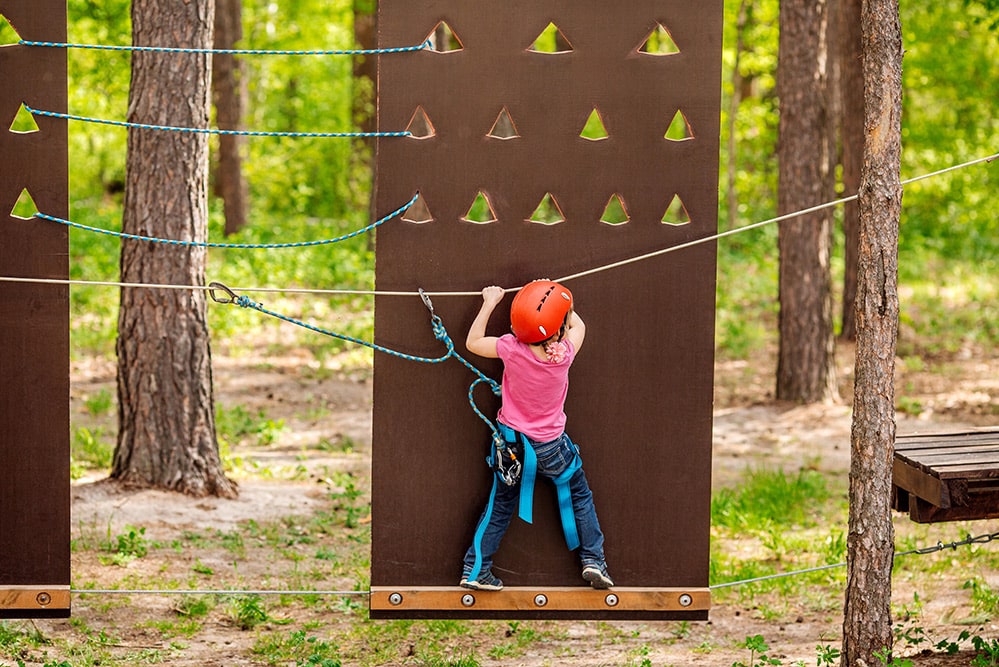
pixel 538 311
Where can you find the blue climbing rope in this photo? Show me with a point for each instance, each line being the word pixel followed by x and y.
pixel 209 130
pixel 235 52
pixel 255 246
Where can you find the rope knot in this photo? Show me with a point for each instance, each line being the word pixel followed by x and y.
pixel 440 333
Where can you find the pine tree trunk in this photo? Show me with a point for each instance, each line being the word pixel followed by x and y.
pixel 166 433
pixel 229 92
pixel 851 73
pixel 870 545
pixel 806 364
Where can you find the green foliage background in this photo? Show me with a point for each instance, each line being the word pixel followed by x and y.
pixel 317 188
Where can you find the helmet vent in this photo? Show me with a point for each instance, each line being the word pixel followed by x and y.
pixel 543 299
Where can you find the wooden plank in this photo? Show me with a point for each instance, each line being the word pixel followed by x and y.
pixel 985 507
pixel 921 483
pixel 953 447
pixel 915 442
pixel 968 471
pixel 528 601
pixel 33 601
pixel 984 466
pixel 983 452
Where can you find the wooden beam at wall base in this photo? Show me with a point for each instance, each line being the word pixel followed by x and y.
pixel 34 601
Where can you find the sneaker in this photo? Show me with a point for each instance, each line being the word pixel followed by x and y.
pixel 484 582
pixel 597 576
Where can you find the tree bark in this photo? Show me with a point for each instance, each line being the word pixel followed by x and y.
pixel 229 94
pixel 851 77
pixel 806 363
pixel 166 432
pixel 870 544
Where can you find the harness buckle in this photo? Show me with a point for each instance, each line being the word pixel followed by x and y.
pixel 509 473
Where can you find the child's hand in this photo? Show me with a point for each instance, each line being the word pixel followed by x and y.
pixel 492 295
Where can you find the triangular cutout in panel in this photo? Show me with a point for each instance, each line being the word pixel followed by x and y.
pixel 419 212
pixel 504 127
pixel 24 207
pixel 443 39
pixel 551 40
pixel 659 42
pixel 679 128
pixel 676 213
pixel 8 34
pixel 548 211
pixel 594 129
pixel 615 212
pixel 24 122
pixel 420 126
pixel 481 211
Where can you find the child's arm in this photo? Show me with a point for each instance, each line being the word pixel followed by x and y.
pixel 477 342
pixel 575 330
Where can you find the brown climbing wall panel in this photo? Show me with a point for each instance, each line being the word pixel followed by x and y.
pixel 34 325
pixel 574 151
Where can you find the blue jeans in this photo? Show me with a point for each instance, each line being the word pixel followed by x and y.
pixel 553 458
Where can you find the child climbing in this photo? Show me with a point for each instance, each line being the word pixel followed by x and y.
pixel 547 334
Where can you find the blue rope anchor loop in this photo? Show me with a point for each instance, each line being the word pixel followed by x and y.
pixel 232 246
pixel 426 45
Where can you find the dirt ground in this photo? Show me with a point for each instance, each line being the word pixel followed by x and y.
pixel 750 430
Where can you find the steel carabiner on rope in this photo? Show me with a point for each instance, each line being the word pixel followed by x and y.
pixel 427 302
pixel 230 295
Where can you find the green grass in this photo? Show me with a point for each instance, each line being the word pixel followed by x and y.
pixel 90 449
pixel 768 498
pixel 239 425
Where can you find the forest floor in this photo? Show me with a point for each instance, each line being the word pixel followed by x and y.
pixel 314 463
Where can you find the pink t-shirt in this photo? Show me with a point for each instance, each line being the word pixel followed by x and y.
pixel 534 391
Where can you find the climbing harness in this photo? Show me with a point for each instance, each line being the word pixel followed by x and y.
pixel 526 473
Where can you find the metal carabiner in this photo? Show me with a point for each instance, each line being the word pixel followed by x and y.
pixel 427 302
pixel 231 298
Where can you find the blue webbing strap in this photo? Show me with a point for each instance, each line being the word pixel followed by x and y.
pixel 526 511
pixel 527 478
pixel 528 473
pixel 565 503
pixel 487 515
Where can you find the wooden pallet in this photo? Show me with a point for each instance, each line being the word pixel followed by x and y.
pixel 947 476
